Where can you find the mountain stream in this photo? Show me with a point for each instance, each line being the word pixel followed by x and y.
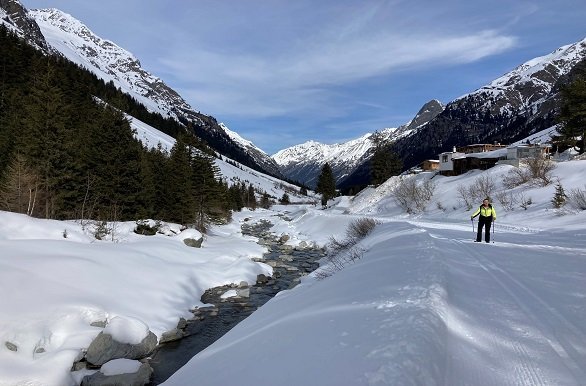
pixel 210 323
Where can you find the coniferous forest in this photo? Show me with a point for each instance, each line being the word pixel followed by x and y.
pixel 67 151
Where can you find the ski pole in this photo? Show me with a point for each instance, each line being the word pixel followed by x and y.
pixel 473 235
pixel 493 226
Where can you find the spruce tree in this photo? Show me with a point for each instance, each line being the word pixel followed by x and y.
pixel 559 197
pixel 573 111
pixel 265 201
pixel 251 198
pixel 181 204
pixel 383 165
pixel 285 200
pixel 326 183
pixel 384 162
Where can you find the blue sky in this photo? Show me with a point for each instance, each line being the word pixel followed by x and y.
pixel 282 72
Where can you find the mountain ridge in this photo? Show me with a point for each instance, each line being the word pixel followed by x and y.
pixel 64 35
pixel 303 162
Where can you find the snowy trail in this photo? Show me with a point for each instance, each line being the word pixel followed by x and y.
pixel 506 323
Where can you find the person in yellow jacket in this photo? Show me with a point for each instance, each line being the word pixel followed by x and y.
pixel 487 216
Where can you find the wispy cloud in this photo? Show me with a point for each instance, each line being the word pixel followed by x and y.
pixel 262 84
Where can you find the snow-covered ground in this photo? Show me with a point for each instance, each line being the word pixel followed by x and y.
pixel 423 306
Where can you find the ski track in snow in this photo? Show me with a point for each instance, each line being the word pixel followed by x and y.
pixel 500 325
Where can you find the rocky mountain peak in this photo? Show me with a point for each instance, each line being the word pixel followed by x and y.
pixel 16 17
pixel 108 61
pixel 427 112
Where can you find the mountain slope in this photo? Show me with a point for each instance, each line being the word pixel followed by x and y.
pixel 304 162
pixel 515 105
pixel 72 39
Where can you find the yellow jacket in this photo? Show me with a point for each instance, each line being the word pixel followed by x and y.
pixel 485 212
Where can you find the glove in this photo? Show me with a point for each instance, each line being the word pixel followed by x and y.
pixel 471 218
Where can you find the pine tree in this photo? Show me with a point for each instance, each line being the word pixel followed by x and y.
pixel 573 112
pixel 181 205
pixel 251 198
pixel 208 192
pixel 559 197
pixel 285 200
pixel 384 162
pixel 265 201
pixel 326 183
pixel 383 165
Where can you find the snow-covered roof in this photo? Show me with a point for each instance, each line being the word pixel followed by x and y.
pixel 489 154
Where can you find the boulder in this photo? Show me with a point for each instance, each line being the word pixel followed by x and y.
pixel 173 335
pixel 104 348
pixel 193 242
pixel 262 279
pixel 243 292
pixel 139 378
pixel 284 239
pixel 182 324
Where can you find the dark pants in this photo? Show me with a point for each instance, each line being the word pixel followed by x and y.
pixel 485 222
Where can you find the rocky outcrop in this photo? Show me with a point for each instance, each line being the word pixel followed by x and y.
pixel 104 348
pixel 17 17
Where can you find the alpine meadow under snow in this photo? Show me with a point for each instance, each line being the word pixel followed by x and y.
pixel 424 305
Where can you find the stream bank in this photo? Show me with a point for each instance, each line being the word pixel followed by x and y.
pixel 224 312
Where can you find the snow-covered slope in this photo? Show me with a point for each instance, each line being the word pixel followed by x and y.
pixel 424 305
pixel 303 162
pixel 231 171
pixel 108 61
pixel 527 86
pixel 74 40
pixel 514 106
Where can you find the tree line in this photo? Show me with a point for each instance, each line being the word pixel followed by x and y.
pixel 68 152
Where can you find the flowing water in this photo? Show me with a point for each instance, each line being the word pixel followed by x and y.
pixel 211 323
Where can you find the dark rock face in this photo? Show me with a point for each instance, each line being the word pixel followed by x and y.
pixel 18 17
pixel 426 113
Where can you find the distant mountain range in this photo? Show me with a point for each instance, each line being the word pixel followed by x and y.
pixel 56 32
pixel 514 106
pixel 304 162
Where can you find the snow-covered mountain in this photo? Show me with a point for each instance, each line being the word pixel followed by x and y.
pixel 55 31
pixel 529 85
pixel 303 162
pixel 513 106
